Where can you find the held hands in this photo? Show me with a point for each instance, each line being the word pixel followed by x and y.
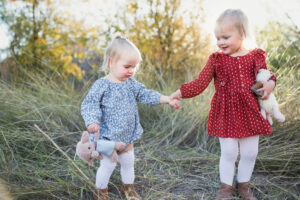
pixel 175 103
pixel 267 89
pixel 175 99
pixel 167 100
pixel 176 95
pixel 93 128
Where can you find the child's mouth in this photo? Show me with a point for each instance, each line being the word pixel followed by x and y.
pixel 224 48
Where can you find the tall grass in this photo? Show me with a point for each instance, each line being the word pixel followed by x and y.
pixel 175 159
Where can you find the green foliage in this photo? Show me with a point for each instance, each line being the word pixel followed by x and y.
pixel 43 39
pixel 282 44
pixel 169 36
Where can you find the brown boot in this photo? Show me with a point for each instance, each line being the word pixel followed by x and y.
pixel 129 192
pixel 101 194
pixel 245 192
pixel 225 191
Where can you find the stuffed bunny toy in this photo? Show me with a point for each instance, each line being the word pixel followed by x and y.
pixel 89 148
pixel 270 105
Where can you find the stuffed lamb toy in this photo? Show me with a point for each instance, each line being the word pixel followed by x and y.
pixel 270 105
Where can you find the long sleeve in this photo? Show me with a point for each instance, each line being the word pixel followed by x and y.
pixel 90 107
pixel 197 86
pixel 260 63
pixel 143 95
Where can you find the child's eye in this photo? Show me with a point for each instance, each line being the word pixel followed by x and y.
pixel 127 66
pixel 226 37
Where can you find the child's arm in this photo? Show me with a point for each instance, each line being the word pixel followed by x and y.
pixel 260 63
pixel 151 97
pixel 197 86
pixel 90 107
pixel 145 96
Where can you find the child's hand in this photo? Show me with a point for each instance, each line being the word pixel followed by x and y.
pixel 93 128
pixel 167 100
pixel 176 95
pixel 267 89
pixel 175 103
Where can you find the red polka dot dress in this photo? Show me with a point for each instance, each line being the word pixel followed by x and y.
pixel 235 112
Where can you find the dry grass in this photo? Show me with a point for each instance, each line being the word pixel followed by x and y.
pixel 175 159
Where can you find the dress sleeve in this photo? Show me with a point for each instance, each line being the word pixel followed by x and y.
pixel 90 107
pixel 195 87
pixel 143 95
pixel 260 62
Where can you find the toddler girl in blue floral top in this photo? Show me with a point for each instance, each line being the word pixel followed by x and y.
pixel 111 108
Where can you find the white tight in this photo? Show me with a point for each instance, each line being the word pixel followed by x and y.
pixel 229 153
pixel 107 167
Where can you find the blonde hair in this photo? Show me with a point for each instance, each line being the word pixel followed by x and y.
pixel 115 48
pixel 240 21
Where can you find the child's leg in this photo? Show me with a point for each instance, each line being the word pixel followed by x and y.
pixel 127 166
pixel 229 153
pixel 248 153
pixel 104 172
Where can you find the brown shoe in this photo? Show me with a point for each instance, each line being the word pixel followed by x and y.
pixel 101 194
pixel 245 192
pixel 129 192
pixel 225 191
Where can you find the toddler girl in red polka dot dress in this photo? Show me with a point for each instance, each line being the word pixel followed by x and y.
pixel 235 114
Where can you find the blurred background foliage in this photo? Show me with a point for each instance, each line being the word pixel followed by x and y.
pixel 53 59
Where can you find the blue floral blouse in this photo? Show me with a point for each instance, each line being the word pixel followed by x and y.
pixel 114 107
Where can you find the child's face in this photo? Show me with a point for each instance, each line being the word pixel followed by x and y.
pixel 123 67
pixel 229 40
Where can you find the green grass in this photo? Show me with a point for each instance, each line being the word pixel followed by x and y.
pixel 175 159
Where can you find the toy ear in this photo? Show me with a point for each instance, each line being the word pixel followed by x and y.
pixel 85 137
pixel 257 86
pixel 78 149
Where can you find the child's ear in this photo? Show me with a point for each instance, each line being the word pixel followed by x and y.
pixel 85 137
pixel 109 62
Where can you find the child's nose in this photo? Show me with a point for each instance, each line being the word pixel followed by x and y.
pixel 220 42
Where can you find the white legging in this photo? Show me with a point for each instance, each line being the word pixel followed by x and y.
pixel 229 153
pixel 107 167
